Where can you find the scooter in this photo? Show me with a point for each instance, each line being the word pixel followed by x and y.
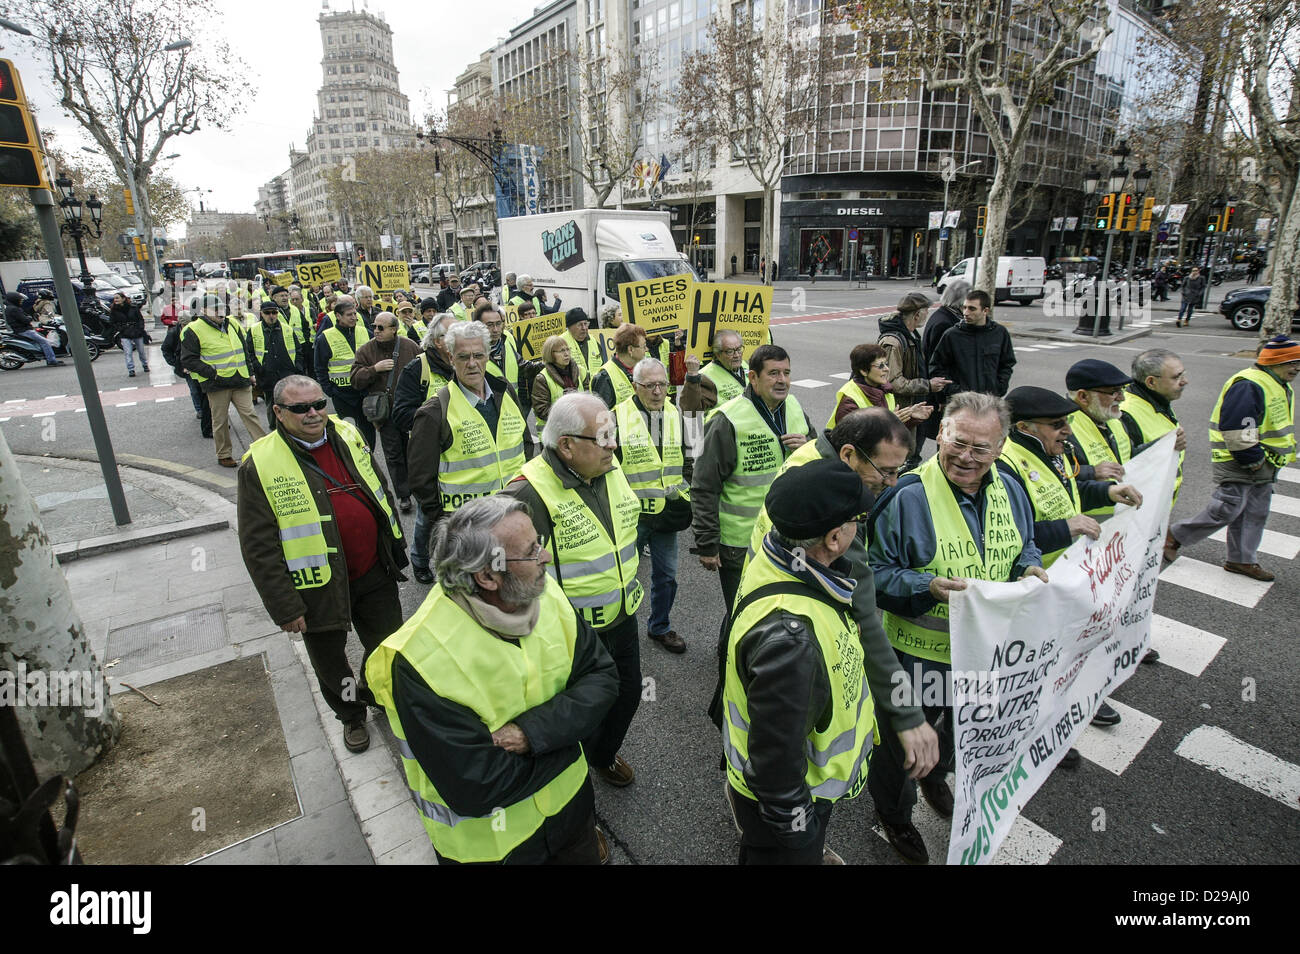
pixel 95 342
pixel 16 351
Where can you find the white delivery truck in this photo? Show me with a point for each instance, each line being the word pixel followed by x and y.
pixel 582 256
pixel 1019 278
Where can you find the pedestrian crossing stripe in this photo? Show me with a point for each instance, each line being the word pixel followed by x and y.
pixel 1276 544
pixel 845 375
pixel 811 383
pixel 1184 647
pixel 1289 474
pixel 1281 503
pixel 1223 753
pixel 1215 581
pixel 1114 748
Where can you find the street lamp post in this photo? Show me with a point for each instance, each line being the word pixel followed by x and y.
pixel 75 226
pixel 1118 177
pixel 949 173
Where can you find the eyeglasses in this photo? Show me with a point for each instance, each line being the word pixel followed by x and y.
pixel 607 440
pixel 652 386
pixel 479 356
pixel 888 473
pixel 538 550
pixel 881 365
pixel 304 408
pixel 740 350
pixel 981 454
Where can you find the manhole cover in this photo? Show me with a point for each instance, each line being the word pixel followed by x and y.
pixel 159 641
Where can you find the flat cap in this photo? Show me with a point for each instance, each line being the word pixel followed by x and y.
pixel 1095 373
pixel 814 499
pixel 270 306
pixel 914 301
pixel 1028 403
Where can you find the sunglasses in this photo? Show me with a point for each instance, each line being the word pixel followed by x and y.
pixel 304 408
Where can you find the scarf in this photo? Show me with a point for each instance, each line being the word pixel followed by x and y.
pixel 809 572
pixel 874 394
pixel 497 621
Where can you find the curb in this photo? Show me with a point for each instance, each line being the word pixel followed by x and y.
pixel 1114 338
pixel 130 539
pixel 166 468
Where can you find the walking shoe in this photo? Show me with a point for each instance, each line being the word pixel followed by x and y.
pixel 55 364
pixel 207 434
pixel 602 846
pixel 936 793
pixel 145 366
pixel 1105 716
pixel 619 774
pixel 356 736
pixel 1071 759
pixel 1151 657
pixel 1252 570
pixel 830 856
pixel 404 504
pixel 422 575
pixel 130 374
pixel 907 841
pixel 1172 546
pixel 669 641
pixel 227 462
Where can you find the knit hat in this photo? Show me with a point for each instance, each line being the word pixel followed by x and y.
pixel 1279 350
pixel 428 304
pixel 914 301
pixel 573 316
pixel 814 499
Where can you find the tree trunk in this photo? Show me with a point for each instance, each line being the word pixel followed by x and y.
pixel 765 234
pixel 1282 299
pixel 995 227
pixel 47 670
pixel 149 265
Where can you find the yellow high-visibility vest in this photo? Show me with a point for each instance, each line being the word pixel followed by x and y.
pixel 221 349
pixel 341 353
pixel 478 462
pixel 1276 433
pixel 1052 498
pixel 653 477
pixel 854 393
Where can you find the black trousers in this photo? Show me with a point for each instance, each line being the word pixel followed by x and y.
pixel 759 846
pixel 622 642
pixel 566 838
pixel 394 440
pixel 376 615
pixel 733 562
pixel 892 791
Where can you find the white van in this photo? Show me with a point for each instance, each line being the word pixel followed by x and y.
pixel 1019 278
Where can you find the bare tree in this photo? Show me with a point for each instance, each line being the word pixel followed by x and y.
pixel 754 90
pixel 115 77
pixel 1006 57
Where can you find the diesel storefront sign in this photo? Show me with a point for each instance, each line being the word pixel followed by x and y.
pixel 873 237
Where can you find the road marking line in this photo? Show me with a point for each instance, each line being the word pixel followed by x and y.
pixel 51 397
pixel 1284 504
pixel 81 410
pixel 126 404
pixel 17 401
pixel 163 400
pixel 1221 752
pixel 46 414
pixel 131 388
pixel 1290 474
pixel 3 419
pixel 811 383
pixel 1021 350
pixel 1052 345
pixel 1115 748
pixel 1274 544
pixel 1215 581
pixel 845 375
pixel 1027 844
pixel 1184 647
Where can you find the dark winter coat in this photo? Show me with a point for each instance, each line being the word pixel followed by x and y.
pixel 975 358
pixel 128 320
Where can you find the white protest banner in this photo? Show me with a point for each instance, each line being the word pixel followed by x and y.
pixel 1032 661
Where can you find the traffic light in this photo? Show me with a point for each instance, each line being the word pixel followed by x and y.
pixel 1105 212
pixel 1226 222
pixel 22 164
pixel 980 218
pixel 130 206
pixel 1128 212
pixel 1148 210
pixel 1212 224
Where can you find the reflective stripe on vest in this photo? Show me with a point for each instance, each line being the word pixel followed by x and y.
pixel 726 383
pixel 1152 425
pixel 759 455
pixel 955 554
pixel 301 316
pixel 557 391
pixel 511 373
pixel 341 353
pixel 220 349
pixel 763 523
pixel 837 755
pixel 598 574
pixel 1052 499
pixel 1095 448
pixel 497 679
pixel 291 337
pixel 479 462
pixel 592 361
pixel 618 378
pixel 302 537
pixel 433 381
pixel 1276 433
pixel 653 479
pixel 854 393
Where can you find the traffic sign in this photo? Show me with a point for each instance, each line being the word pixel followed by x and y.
pixel 943 234
pixel 853 235
pixel 1162 235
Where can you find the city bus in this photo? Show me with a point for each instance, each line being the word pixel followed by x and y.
pixel 177 270
pixel 247 266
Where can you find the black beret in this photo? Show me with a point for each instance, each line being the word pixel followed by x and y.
pixel 1095 373
pixel 270 306
pixel 573 316
pixel 814 499
pixel 1030 402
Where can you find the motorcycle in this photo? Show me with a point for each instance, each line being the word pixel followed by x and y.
pixel 16 351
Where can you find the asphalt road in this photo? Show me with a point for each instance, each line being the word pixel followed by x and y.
pixel 1158 806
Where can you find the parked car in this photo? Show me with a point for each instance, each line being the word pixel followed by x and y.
pixel 485 273
pixel 441 271
pixel 1244 308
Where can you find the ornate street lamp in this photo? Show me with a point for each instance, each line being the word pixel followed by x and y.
pixel 73 225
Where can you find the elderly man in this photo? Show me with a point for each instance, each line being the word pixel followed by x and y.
pixel 583 348
pixel 723 378
pixel 365 298
pixel 503 355
pixel 1147 412
pixel 650 452
pixel 299 310
pixel 900 338
pixel 1102 445
pixel 469 440
pixel 375 371
pixel 409 326
pixel 276 349
pixel 745 442
pixel 1252 437
pixel 875 444
pixel 213 350
pixel 490 723
pixel 507 287
pixel 800 714
pixel 613 382
pixel 463 308
pixel 951 519
pixel 581 502
pixel 321 542
pixel 336 350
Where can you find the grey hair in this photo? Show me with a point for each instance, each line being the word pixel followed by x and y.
pixel 464 542
pixel 644 365
pixel 363 288
pixel 802 546
pixel 525 279
pixel 608 312
pixel 344 302
pixel 979 404
pixel 1150 363
pixel 954 296
pixel 717 337
pixel 437 328
pixel 569 414
pixel 462 330
pixel 292 381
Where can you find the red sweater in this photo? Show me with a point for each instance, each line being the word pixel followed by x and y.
pixel 358 530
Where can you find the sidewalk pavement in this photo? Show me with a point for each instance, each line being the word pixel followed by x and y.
pixel 182 555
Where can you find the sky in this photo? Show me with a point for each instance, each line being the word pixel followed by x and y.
pixel 280 44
